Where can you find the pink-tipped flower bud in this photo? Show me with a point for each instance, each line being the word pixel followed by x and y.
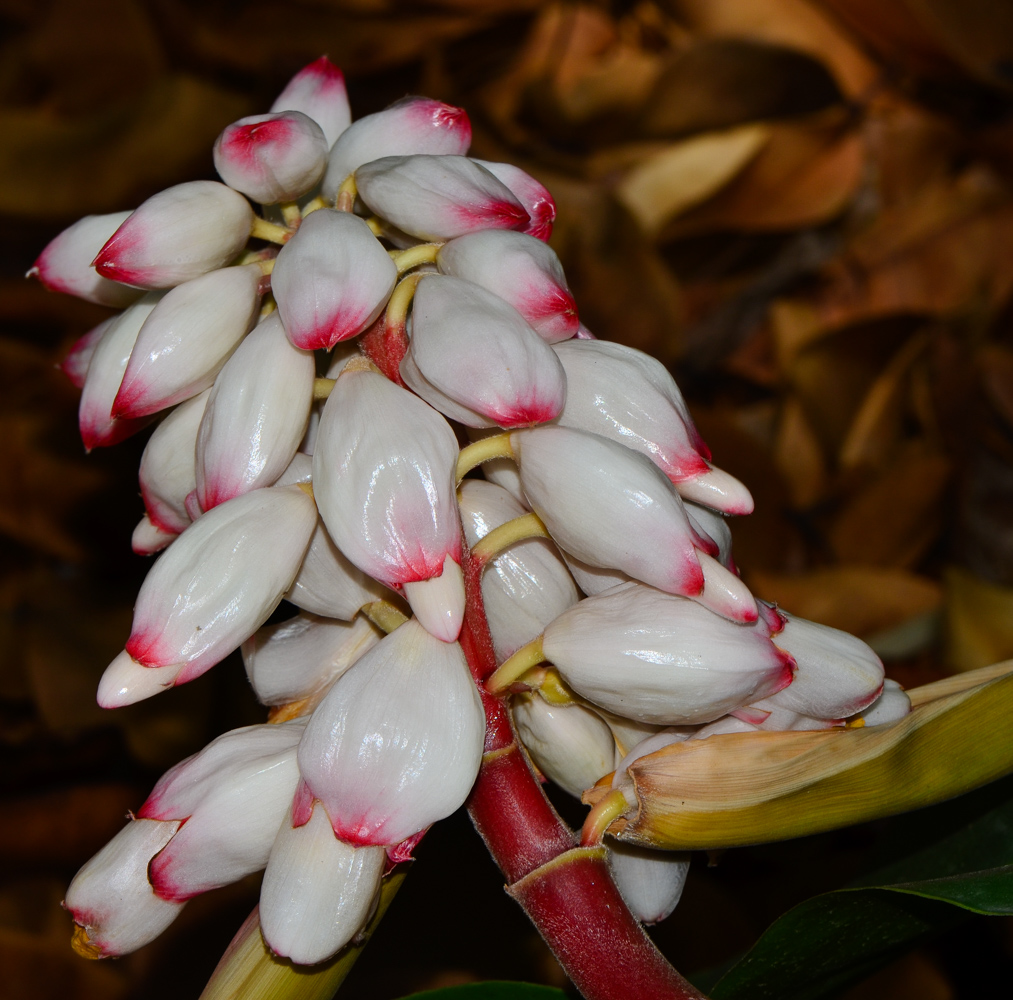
pixel 318 90
pixel 630 397
pixel 569 744
pixel 891 705
pixel 218 583
pixel 302 657
pixel 176 235
pixel 650 881
pixel 318 892
pixel 533 195
pixel 411 125
pixel 397 742
pixel 609 506
pixel 66 263
pixel 520 269
pixel 148 538
pixel 99 428
pixel 717 489
pixel 167 466
pixel 474 358
pixel 111 897
pixel 383 477
pixel 272 158
pixel 75 364
pixel 715 525
pixel 331 280
pixel 438 197
pixel 661 659
pixel 255 416
pixel 526 586
pixel 838 674
pixel 229 800
pixel 187 338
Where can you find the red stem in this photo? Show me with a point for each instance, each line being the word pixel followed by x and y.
pixel 573 901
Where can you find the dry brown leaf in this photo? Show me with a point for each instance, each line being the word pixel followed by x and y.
pixel 894 519
pixel 799 456
pixel 996 365
pixel 687 173
pixel 979 620
pixel 863 600
pixel 794 325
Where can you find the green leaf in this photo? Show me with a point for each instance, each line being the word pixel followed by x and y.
pixel 492 991
pixel 834 940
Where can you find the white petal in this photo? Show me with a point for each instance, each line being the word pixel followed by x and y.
pixel 255 416
pixel 411 125
pixel 167 465
pixel 609 506
pixel 75 364
pixel 630 397
pixel 527 586
pixel 299 470
pixel 593 579
pixel 891 705
pixel 661 659
pixel 303 656
pixel 65 264
pixel 534 196
pixel 521 270
pixel 383 477
pixel 318 891
pixel 177 234
pixel 715 525
pixel 438 603
pixel 569 743
pixel 110 896
pixel 838 674
pixel 318 90
pixel 187 338
pixel 328 584
pixel 627 733
pixel 397 742
pixel 125 681
pixel 148 539
pixel 767 715
pixel 724 592
pixel 476 349
pixel 650 881
pixel 220 580
pixel 272 158
pixel 99 428
pixel 438 197
pixel 716 488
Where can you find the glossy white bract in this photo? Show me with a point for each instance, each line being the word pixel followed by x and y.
pixel 532 194
pixel 651 882
pixel 318 90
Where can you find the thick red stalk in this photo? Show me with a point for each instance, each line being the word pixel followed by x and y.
pixel 566 890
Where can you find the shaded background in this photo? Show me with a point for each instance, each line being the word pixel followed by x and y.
pixel 805 207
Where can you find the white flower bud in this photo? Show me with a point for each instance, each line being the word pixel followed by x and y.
pixel 220 581
pixel 438 197
pixel 383 477
pixel 411 125
pixel 767 715
pixel 272 158
pixel 148 539
pixel 318 892
pixel 661 659
pixel 178 234
pixel 650 881
pixel 569 743
pixel 525 587
pixel 111 897
pixel 230 799
pixel 534 196
pixel 717 489
pixel 476 351
pixel 714 525
pixel 331 280
pixel 300 470
pixel 303 656
pixel 187 338
pixel 838 674
pixel 255 416
pixel 167 466
pixel 75 364
pixel 99 428
pixel 891 705
pixel 609 506
pixel 318 90
pixel 66 263
pixel 396 743
pixel 125 681
pixel 520 269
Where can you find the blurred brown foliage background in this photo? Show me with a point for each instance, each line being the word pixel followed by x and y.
pixel 805 207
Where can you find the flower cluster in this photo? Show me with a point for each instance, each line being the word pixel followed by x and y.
pixel 316 369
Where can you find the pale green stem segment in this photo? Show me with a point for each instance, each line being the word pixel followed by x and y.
pixel 291 214
pixel 400 300
pixel 270 231
pixel 384 615
pixel 248 970
pixel 515 666
pixel 483 450
pixel 313 206
pixel 322 387
pixel 347 194
pixel 510 533
pixel 424 253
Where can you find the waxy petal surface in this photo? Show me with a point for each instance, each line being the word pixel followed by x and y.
pixel 651 882
pixel 318 90
pixel 532 194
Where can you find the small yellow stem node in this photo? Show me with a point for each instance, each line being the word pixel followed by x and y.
pixel 291 214
pixel 483 450
pixel 528 656
pixel 347 194
pixel 322 387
